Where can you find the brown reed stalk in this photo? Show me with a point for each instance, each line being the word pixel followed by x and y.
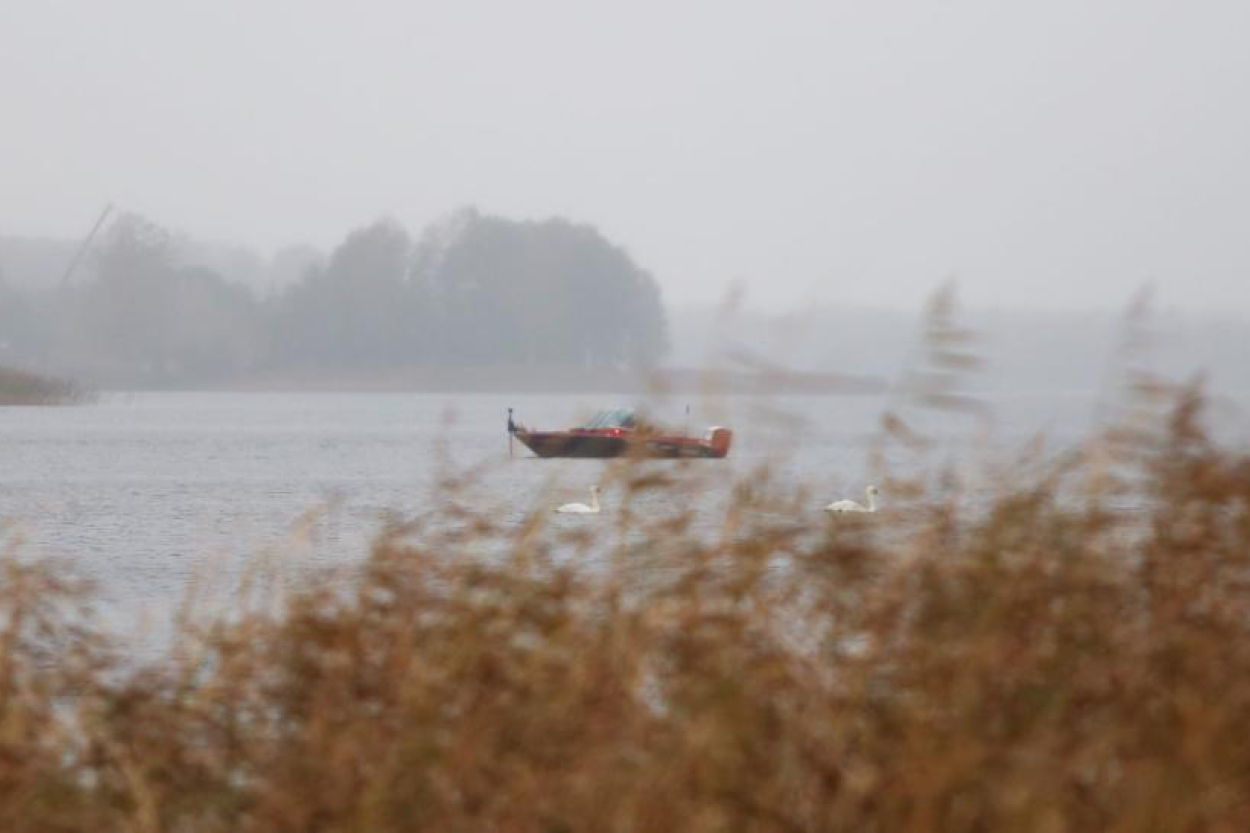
pixel 1050 658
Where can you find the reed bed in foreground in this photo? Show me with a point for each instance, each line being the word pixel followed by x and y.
pixel 1042 661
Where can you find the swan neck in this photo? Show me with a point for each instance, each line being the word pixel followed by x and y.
pixel 872 501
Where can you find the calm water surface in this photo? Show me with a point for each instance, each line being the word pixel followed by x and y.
pixel 145 491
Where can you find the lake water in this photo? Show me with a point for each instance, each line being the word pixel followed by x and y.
pixel 145 491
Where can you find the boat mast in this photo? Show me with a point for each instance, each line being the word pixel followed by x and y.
pixel 82 249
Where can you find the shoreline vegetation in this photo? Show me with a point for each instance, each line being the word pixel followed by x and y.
pixel 21 388
pixel 1025 657
pixel 145 311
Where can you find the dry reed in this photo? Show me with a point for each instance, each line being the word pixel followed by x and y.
pixel 1048 660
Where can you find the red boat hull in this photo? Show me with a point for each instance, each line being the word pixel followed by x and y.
pixel 619 443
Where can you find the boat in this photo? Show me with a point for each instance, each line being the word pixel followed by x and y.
pixel 620 433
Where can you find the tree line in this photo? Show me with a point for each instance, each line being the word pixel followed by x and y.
pixel 473 289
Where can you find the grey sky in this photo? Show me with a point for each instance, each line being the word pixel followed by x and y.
pixel 1047 153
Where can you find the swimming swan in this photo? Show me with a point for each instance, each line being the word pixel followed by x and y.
pixel 852 506
pixel 581 508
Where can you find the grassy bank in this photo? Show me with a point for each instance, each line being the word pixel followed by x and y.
pixel 18 387
pixel 1037 659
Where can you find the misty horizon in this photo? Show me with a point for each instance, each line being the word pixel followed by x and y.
pixel 902 351
pixel 1057 156
pixel 36 263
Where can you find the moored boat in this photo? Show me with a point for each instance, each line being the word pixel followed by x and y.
pixel 619 433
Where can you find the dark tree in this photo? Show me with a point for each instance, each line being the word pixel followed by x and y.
pixel 16 321
pixel 144 319
pixel 126 309
pixel 359 310
pixel 550 292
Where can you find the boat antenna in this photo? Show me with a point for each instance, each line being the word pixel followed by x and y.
pixel 511 431
pixel 82 249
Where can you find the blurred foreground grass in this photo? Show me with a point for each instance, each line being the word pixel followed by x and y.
pixel 1039 661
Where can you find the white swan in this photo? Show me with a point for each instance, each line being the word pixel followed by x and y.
pixel 852 506
pixel 581 508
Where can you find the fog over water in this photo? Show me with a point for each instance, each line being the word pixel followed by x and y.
pixel 1053 155
pixel 920 330
pixel 152 495
pixel 496 199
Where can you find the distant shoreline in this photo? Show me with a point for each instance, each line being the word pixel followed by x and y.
pixel 19 388
pixel 496 379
